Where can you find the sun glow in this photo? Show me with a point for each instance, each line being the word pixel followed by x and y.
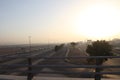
pixel 98 21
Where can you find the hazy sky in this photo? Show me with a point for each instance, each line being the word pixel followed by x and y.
pixel 58 20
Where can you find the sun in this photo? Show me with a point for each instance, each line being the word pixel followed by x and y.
pixel 98 21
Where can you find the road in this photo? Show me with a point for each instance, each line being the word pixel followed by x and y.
pixel 78 51
pixel 47 52
pixel 65 51
pixel 8 61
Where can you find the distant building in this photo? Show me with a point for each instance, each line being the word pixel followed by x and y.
pixel 89 42
pixel 116 40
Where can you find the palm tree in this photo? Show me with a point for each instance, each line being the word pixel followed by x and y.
pixel 99 48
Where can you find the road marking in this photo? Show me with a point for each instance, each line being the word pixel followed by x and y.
pixel 68 50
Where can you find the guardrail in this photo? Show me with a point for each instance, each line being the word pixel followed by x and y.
pixel 30 72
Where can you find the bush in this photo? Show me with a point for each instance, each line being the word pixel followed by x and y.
pixel 58 47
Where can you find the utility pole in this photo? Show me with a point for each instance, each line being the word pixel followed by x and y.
pixel 29 38
pixel 30 75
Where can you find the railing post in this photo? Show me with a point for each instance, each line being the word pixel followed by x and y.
pixel 98 70
pixel 30 75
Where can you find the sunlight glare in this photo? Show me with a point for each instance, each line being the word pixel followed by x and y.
pixel 98 21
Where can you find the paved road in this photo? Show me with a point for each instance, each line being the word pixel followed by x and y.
pixel 65 51
pixel 46 52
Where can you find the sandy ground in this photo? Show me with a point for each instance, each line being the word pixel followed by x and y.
pixel 112 62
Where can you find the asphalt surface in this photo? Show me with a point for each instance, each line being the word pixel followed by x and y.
pixel 65 51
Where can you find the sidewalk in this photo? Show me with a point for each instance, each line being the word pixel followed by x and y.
pixel 9 77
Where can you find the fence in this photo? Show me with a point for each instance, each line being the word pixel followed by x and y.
pixel 30 72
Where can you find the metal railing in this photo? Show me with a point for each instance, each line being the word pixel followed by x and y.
pixel 30 71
